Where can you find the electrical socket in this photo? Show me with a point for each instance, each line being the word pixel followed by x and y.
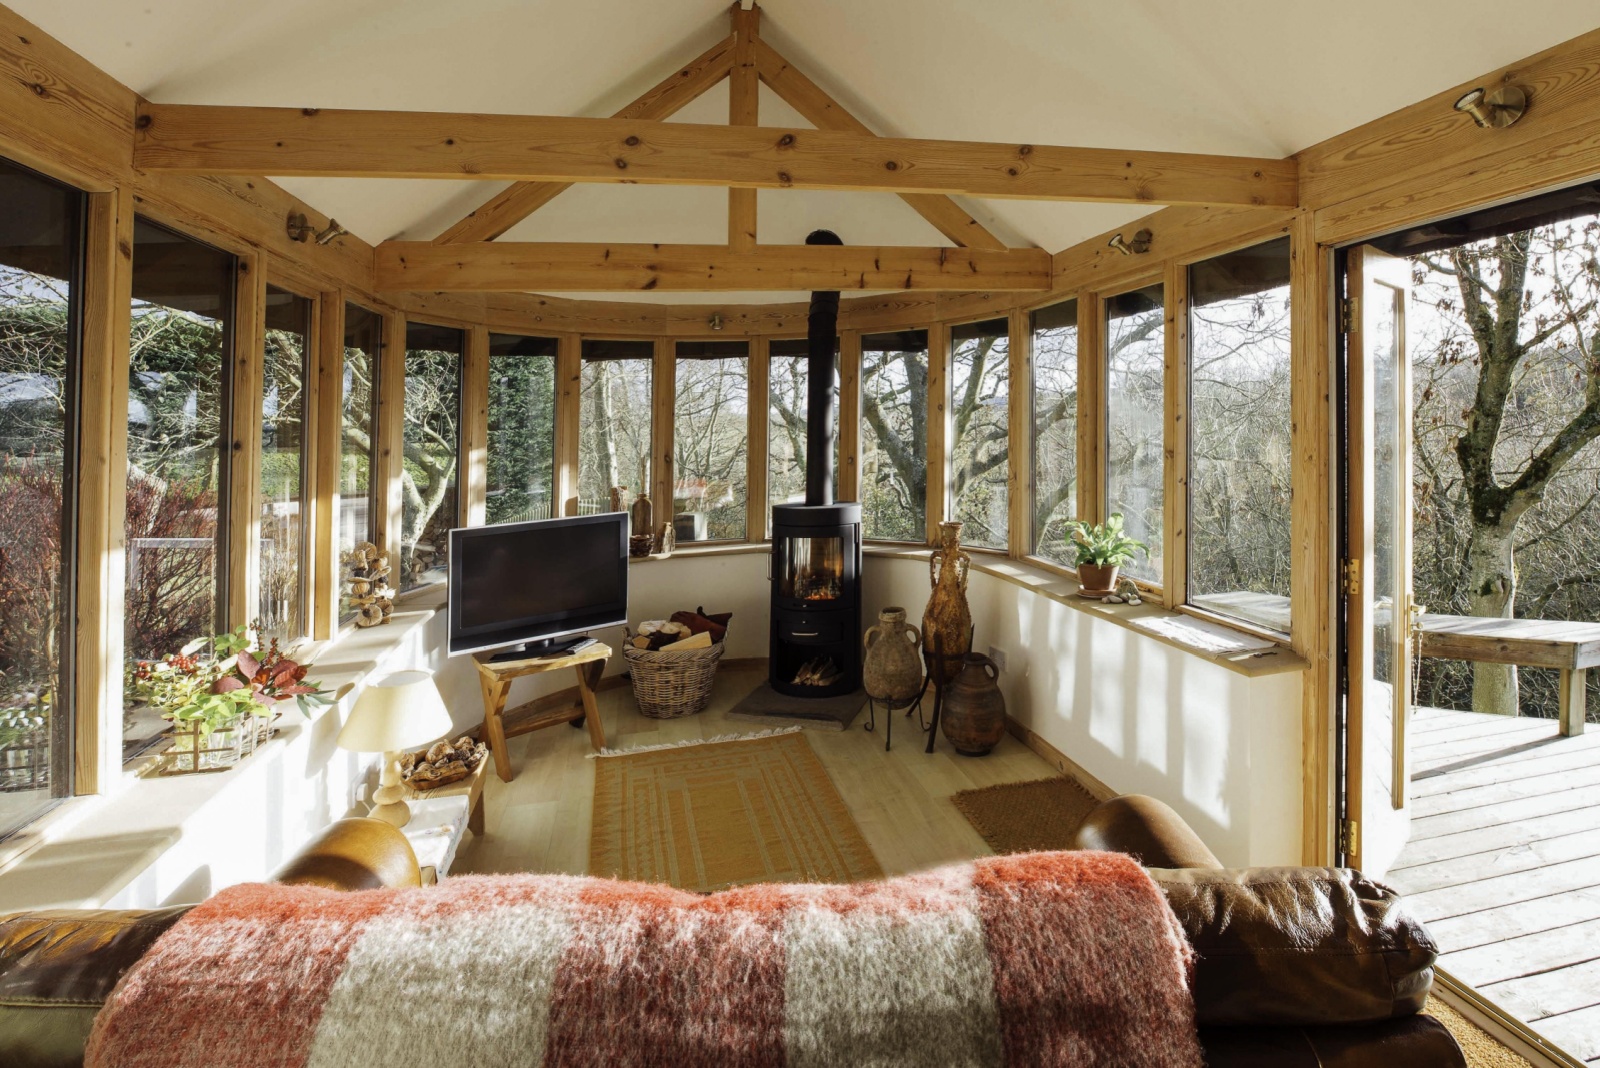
pixel 999 657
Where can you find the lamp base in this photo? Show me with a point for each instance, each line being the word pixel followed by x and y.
pixel 397 813
pixel 389 799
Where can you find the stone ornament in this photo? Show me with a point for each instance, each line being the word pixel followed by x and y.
pixel 947 621
pixel 367 581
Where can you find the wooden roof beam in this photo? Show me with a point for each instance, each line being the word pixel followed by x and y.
pixel 744 95
pixel 548 267
pixel 196 139
pixel 826 113
pixel 513 204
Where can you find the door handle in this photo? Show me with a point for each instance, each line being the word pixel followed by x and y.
pixel 802 634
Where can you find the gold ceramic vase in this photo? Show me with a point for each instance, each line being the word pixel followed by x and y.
pixel 947 621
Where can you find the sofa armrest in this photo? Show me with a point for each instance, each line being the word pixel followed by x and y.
pixel 359 853
pixel 1147 830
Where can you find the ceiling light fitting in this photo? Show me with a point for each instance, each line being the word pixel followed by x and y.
pixel 1496 108
pixel 715 322
pixel 300 229
pixel 1137 247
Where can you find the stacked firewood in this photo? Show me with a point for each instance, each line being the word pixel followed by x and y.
pixel 821 671
pixel 685 630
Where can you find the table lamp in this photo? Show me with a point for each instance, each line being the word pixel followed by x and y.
pixel 395 713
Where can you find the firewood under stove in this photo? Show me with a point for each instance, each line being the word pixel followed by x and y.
pixel 821 671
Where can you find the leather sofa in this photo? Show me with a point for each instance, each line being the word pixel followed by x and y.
pixel 1295 966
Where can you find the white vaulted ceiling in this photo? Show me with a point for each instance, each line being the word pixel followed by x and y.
pixel 1246 77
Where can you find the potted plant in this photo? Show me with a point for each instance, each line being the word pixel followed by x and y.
pixel 222 700
pixel 1102 550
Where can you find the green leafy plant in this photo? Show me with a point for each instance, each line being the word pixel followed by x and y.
pixel 215 688
pixel 1104 544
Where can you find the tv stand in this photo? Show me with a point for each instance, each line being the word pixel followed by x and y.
pixel 588 664
pixel 538 650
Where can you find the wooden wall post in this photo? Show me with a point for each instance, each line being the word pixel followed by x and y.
pixel 244 448
pixel 388 451
pixel 849 444
pixel 758 403
pixel 744 96
pixel 938 458
pixel 1019 437
pixel 1091 407
pixel 102 489
pixel 327 424
pixel 473 476
pixel 569 392
pixel 1175 491
pixel 664 393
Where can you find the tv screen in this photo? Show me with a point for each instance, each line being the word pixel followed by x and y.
pixel 521 583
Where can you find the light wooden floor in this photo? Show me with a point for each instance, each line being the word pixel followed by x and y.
pixel 1503 864
pixel 540 820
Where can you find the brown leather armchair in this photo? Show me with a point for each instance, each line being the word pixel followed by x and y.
pixel 1313 967
pixel 58 967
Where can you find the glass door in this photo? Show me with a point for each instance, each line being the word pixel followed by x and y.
pixel 813 569
pixel 1380 613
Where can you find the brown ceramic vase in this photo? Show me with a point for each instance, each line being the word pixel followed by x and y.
pixel 974 712
pixel 947 621
pixel 891 671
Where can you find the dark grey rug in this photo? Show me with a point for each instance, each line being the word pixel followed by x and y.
pixel 766 705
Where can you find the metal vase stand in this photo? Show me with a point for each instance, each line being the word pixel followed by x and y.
pixel 928 679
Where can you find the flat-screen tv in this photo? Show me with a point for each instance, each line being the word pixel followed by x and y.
pixel 532 585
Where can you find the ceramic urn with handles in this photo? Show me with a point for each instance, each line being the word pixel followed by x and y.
pixel 947 621
pixel 892 669
pixel 974 713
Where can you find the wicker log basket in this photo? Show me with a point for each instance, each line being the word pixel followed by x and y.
pixel 670 684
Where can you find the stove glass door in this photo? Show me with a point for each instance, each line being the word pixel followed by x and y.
pixel 813 569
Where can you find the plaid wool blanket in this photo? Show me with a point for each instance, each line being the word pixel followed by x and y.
pixel 1033 960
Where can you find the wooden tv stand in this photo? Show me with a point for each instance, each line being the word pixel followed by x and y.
pixel 494 680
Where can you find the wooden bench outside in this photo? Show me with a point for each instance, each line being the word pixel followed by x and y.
pixel 1569 647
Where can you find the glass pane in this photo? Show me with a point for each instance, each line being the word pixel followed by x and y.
pixel 357 518
pixel 177 418
pixel 40 251
pixel 522 428
pixel 813 569
pixel 786 422
pixel 1054 359
pixel 894 436
pixel 432 439
pixel 1386 488
pixel 1135 420
pixel 614 422
pixel 282 548
pixel 1239 453
pixel 711 425
pixel 980 422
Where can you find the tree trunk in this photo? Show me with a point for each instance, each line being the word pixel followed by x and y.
pixel 1492 589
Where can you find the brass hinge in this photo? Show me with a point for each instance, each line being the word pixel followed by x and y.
pixel 1348 832
pixel 1349 312
pixel 1350 577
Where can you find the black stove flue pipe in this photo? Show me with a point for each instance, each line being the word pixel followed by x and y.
pixel 822 332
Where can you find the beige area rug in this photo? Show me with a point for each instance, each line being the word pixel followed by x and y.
pixel 724 812
pixel 1023 817
pixel 1480 1048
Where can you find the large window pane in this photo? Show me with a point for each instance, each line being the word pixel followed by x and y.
pixel 710 426
pixel 614 423
pixel 1239 452
pixel 40 254
pixel 789 361
pixel 522 428
pixel 1054 360
pixel 980 426
pixel 432 450
pixel 357 519
pixel 178 414
pixel 894 436
pixel 282 548
pixel 1135 419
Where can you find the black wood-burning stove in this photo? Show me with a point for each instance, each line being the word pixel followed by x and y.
pixel 816 546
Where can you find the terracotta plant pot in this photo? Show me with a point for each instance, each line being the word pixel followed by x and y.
pixel 892 669
pixel 974 712
pixel 1098 578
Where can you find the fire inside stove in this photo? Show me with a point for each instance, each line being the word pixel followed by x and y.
pixel 814 569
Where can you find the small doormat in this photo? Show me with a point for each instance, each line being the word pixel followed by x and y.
pixel 766 705
pixel 1480 1048
pixel 708 815
pixel 1024 817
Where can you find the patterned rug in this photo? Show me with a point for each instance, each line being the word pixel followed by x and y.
pixel 708 815
pixel 1025 817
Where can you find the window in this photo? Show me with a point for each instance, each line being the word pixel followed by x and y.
pixel 41 247
pixel 788 363
pixel 178 419
pixel 614 422
pixel 1239 450
pixel 1136 420
pixel 980 428
pixel 894 436
pixel 358 422
pixel 522 428
pixel 1054 360
pixel 711 425
pixel 431 438
pixel 282 550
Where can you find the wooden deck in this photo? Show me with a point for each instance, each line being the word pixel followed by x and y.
pixel 1503 865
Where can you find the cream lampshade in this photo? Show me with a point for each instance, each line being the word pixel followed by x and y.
pixel 395 713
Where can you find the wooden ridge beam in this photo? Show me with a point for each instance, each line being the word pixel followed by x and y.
pixel 826 113
pixel 510 266
pixel 511 205
pixel 199 139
